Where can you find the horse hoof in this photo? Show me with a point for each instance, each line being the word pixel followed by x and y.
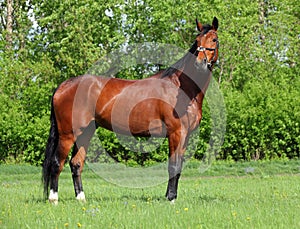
pixel 171 197
pixel 171 201
pixel 81 197
pixel 53 197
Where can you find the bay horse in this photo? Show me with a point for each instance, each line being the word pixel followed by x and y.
pixel 168 104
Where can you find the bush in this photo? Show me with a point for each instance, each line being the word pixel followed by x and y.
pixel 24 109
pixel 263 121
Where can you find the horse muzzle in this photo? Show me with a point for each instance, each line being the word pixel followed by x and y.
pixel 202 65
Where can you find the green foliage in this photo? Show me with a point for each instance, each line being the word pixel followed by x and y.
pixel 263 121
pixel 107 147
pixel 258 71
pixel 24 108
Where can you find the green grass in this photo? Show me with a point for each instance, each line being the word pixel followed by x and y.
pixel 235 195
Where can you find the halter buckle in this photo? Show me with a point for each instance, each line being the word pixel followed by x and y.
pixel 200 49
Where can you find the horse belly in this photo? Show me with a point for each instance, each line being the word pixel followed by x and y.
pixel 141 120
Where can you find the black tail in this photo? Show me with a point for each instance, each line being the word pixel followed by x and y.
pixel 50 151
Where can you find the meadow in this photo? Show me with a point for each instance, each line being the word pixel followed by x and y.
pixel 228 195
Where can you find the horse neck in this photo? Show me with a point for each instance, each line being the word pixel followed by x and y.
pixel 192 81
pixel 185 75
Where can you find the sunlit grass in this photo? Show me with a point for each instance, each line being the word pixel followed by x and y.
pixel 219 198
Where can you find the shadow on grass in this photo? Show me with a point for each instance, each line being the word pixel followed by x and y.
pixel 200 199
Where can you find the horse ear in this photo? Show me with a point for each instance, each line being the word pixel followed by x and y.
pixel 199 25
pixel 215 24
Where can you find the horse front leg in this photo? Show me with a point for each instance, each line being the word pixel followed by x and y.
pixel 174 169
pixel 177 145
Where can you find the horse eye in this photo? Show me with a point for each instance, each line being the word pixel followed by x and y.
pixel 215 40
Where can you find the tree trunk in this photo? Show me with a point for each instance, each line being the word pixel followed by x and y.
pixel 262 20
pixel 9 24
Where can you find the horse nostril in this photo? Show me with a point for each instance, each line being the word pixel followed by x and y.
pixel 204 61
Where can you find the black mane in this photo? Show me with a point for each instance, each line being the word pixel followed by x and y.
pixel 181 62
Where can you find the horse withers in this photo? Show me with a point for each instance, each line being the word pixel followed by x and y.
pixel 168 104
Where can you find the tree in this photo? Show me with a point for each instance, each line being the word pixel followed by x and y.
pixel 45 43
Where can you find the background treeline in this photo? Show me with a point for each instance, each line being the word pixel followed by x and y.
pixel 43 43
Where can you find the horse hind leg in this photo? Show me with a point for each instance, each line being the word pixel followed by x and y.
pixel 76 164
pixel 78 159
pixel 64 146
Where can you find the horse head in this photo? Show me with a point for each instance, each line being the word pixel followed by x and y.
pixel 207 45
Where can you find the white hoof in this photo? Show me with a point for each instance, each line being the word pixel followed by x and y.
pixel 53 197
pixel 81 197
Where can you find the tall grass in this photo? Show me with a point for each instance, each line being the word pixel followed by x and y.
pixel 240 195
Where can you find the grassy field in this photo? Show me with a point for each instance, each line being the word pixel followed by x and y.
pixel 237 195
